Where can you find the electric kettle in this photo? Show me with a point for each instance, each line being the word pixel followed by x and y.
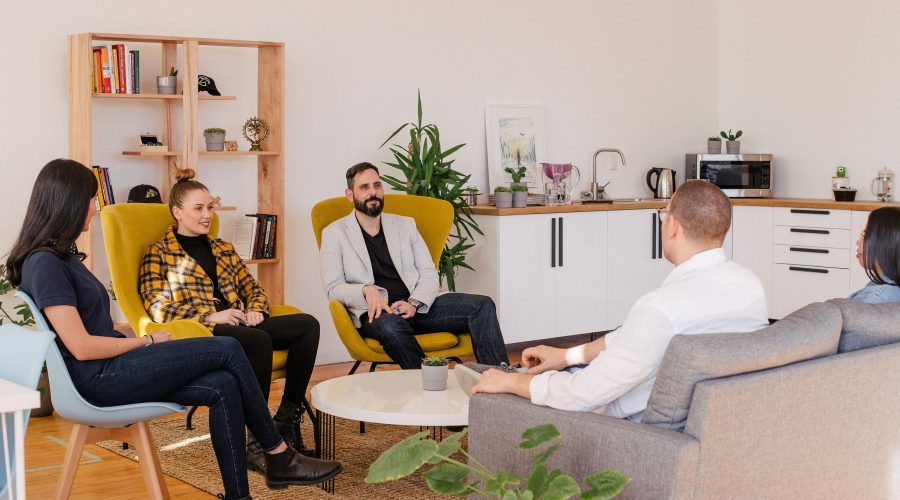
pixel 665 182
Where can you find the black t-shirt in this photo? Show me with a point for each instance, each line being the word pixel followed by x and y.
pixel 199 249
pixel 54 281
pixel 386 275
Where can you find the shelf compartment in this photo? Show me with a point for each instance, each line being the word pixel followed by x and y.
pixel 202 97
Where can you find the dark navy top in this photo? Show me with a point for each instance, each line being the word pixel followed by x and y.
pixel 383 270
pixel 53 281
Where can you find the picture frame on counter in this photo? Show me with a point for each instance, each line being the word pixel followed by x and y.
pixel 515 136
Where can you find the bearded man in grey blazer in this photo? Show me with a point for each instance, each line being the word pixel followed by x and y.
pixel 379 267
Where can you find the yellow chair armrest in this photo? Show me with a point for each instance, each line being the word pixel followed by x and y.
pixel 283 310
pixel 179 329
pixel 348 333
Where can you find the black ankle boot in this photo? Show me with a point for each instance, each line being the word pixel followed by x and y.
pixel 291 468
pixel 256 460
pixel 288 419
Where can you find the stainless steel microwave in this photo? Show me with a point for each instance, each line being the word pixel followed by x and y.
pixel 739 176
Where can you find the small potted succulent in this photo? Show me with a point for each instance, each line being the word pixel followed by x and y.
pixel 503 197
pixel 714 145
pixel 434 373
pixel 519 195
pixel 215 139
pixel 166 84
pixel 733 145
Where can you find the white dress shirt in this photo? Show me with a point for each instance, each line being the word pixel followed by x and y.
pixel 705 294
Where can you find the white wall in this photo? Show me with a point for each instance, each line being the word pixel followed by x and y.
pixel 637 76
pixel 814 83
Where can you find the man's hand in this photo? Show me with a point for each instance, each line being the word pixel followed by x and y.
pixel 404 309
pixel 232 317
pixel 254 318
pixel 376 302
pixel 543 358
pixel 495 381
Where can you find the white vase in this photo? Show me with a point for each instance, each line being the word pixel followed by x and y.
pixel 434 378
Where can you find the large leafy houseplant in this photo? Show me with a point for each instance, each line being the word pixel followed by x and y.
pixel 452 477
pixel 428 171
pixel 21 313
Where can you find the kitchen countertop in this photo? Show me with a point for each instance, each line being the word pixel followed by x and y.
pixel 652 203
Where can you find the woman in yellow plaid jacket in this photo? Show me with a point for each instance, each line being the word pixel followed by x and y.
pixel 188 275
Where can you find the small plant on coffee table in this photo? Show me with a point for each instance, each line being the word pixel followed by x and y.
pixel 434 361
pixel 451 476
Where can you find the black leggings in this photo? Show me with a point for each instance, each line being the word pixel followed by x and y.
pixel 299 333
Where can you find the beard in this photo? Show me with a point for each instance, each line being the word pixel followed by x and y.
pixel 370 210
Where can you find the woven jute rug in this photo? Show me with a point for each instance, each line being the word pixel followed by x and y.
pixel 188 456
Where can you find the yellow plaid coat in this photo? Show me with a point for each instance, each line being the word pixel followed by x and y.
pixel 174 286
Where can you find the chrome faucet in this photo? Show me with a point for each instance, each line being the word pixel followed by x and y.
pixel 596 191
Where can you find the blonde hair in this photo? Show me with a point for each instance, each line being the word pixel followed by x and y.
pixel 184 184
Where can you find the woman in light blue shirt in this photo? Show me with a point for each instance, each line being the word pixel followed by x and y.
pixel 878 252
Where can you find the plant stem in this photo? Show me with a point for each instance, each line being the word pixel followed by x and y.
pixel 473 459
pixel 6 313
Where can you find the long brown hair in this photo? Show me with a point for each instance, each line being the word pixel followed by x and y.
pixel 184 184
pixel 56 214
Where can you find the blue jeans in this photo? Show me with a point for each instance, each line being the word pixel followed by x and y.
pixel 450 312
pixel 211 372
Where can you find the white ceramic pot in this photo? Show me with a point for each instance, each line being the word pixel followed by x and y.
pixel 166 84
pixel 434 378
pixel 714 147
pixel 520 199
pixel 503 199
pixel 215 142
pixel 733 147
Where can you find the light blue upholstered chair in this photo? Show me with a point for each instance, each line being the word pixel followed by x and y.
pixel 94 423
pixel 22 354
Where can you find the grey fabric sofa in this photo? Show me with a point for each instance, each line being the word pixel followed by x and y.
pixel 808 408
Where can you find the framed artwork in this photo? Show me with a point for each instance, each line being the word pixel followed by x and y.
pixel 515 138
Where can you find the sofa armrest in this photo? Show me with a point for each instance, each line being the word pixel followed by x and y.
pixel 662 463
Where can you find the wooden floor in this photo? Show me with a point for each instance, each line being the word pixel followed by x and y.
pixel 103 474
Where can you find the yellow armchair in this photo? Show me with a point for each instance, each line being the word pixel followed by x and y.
pixel 434 219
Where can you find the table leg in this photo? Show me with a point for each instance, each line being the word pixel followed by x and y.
pixel 19 432
pixel 325 441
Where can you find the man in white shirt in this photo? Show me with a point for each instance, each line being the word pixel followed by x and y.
pixel 705 293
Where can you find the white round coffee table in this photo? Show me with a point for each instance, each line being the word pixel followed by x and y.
pixel 385 397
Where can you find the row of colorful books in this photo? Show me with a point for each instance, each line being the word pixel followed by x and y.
pixel 254 236
pixel 116 70
pixel 104 190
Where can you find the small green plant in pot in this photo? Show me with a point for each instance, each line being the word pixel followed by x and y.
pixel 503 197
pixel 166 84
pixel 434 373
pixel 215 139
pixel 733 145
pixel 714 145
pixel 519 195
pixel 452 477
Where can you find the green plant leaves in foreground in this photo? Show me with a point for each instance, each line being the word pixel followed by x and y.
pixel 448 479
pixel 448 446
pixel 402 459
pixel 537 436
pixel 604 485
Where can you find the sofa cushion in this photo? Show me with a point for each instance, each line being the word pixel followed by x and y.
pixel 867 325
pixel 808 333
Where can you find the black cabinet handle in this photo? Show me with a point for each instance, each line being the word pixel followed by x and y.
pixel 659 253
pixel 553 242
pixel 560 242
pixel 809 231
pixel 808 211
pixel 808 269
pixel 809 250
pixel 653 248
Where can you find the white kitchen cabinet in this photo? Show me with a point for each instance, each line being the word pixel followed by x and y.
pixel 796 286
pixel 636 262
pixel 545 272
pixel 751 229
pixel 858 278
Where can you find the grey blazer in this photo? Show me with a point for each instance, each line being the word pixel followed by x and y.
pixel 346 267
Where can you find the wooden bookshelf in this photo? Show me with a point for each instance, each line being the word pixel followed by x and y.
pixel 186 145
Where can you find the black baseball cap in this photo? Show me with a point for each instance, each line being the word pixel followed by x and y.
pixel 144 193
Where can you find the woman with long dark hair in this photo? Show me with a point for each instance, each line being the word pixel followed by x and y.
pixel 109 369
pixel 189 275
pixel 878 252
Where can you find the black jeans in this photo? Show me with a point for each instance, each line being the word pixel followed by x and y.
pixel 211 372
pixel 450 312
pixel 299 333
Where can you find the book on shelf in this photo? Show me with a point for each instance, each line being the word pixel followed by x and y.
pixel 259 240
pixel 104 187
pixel 116 69
pixel 242 238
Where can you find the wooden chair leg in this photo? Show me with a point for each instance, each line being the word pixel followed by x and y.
pixel 76 444
pixel 149 461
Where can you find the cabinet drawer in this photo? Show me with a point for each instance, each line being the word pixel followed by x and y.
pixel 796 286
pixel 812 217
pixel 806 256
pixel 812 237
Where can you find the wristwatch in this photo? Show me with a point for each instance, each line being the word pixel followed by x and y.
pixel 415 303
